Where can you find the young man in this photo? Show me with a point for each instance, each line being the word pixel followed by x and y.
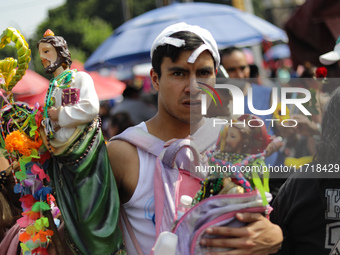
pixel 180 55
pixel 79 168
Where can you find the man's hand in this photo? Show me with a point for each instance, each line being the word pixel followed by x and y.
pixel 259 237
pixel 53 113
pixel 274 145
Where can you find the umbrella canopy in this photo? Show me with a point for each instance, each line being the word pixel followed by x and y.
pixel 131 42
pixel 31 88
pixel 106 87
pixel 313 30
pixel 31 83
pixel 279 51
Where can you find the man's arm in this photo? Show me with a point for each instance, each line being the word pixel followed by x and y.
pixel 125 166
pixel 259 237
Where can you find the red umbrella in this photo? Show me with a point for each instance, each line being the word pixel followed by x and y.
pixel 31 88
pixel 106 87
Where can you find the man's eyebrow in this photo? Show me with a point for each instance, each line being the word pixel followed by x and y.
pixel 207 68
pixel 177 69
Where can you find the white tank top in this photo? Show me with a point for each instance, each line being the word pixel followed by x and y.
pixel 140 209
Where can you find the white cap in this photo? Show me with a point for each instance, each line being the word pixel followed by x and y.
pixel 209 42
pixel 332 56
pixel 186 200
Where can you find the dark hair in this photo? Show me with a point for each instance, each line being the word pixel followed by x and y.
pixel 10 206
pixel 254 71
pixel 130 92
pixel 327 151
pixel 192 42
pixel 228 51
pixel 122 121
pixel 59 43
pixel 309 70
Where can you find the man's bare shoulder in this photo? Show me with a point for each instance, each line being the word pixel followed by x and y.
pixel 124 162
pixel 121 154
pixel 120 147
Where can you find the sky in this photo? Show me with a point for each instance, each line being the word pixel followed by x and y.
pixel 25 15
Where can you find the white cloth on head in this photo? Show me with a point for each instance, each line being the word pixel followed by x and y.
pixel 204 34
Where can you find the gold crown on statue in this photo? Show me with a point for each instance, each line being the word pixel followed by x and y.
pixel 48 32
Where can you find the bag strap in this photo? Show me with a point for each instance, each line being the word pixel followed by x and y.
pixel 171 153
pixel 141 139
pixel 130 230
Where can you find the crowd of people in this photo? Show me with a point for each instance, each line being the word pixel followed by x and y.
pixel 92 180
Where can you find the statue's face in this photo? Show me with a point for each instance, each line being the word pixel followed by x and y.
pixel 233 141
pixel 49 57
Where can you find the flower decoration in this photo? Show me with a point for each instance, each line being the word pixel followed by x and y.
pixel 278 113
pixel 321 72
pixel 20 137
pixel 16 141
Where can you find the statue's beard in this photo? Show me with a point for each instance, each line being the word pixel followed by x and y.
pixel 54 66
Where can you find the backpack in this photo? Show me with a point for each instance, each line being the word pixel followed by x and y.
pixel 175 176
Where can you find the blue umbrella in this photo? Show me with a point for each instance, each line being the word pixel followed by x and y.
pixel 279 51
pixel 131 42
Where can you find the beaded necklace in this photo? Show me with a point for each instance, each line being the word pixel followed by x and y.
pixel 61 81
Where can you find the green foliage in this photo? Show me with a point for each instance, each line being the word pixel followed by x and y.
pixel 82 33
pixel 85 25
pixel 78 54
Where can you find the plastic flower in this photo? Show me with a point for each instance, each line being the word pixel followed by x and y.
pixel 39 116
pixel 278 113
pixel 42 236
pixel 24 237
pixel 32 215
pixel 40 250
pixel 321 72
pixel 321 77
pixel 40 172
pixel 31 230
pixel 25 221
pixel 27 201
pixel 41 223
pixel 40 206
pixel 16 141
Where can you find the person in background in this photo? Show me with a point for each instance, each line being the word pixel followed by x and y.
pixel 133 104
pixel 235 63
pixel 118 123
pixel 307 205
pixel 104 113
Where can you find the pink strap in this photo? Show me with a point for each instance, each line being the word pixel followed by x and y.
pixel 130 230
pixel 141 139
